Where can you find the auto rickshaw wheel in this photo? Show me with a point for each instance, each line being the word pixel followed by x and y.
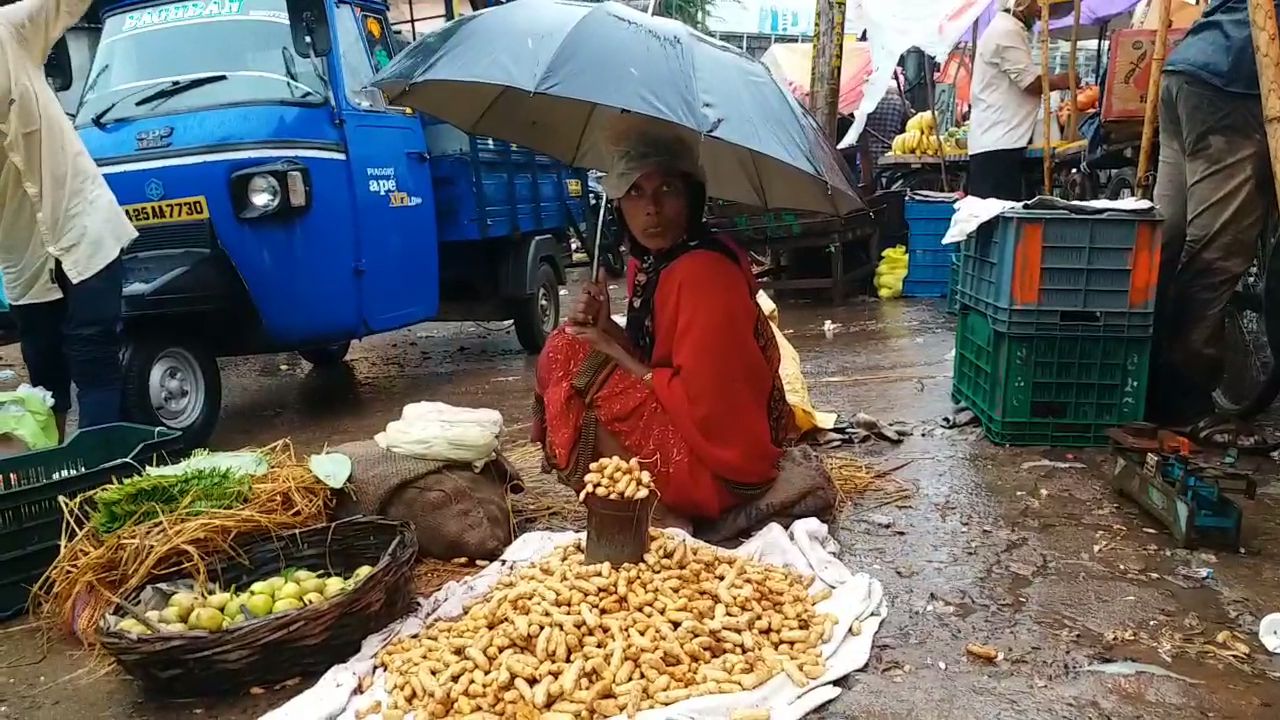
pixel 326 356
pixel 1123 184
pixel 539 314
pixel 175 385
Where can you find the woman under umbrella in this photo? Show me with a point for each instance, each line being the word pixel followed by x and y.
pixel 691 384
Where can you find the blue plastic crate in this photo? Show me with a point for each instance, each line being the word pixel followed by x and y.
pixel 1056 260
pixel 1034 321
pixel 928 273
pixel 927 223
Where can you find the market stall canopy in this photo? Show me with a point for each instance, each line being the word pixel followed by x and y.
pixel 556 76
pixel 1094 12
pixel 934 26
pixel 792 66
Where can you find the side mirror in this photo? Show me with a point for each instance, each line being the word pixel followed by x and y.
pixel 57 68
pixel 309 21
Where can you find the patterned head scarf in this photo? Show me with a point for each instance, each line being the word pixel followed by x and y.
pixel 636 146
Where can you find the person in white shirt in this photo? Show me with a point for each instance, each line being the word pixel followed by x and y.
pixel 61 229
pixel 1005 97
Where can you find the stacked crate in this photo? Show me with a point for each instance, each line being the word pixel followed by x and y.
pixel 928 261
pixel 1054 329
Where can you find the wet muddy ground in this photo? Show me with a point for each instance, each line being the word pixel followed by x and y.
pixel 1047 565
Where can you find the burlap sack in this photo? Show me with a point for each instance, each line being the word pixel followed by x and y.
pixel 456 512
pixel 803 489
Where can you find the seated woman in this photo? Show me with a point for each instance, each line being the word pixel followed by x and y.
pixel 691 385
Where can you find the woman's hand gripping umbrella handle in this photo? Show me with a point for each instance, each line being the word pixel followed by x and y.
pixel 590 320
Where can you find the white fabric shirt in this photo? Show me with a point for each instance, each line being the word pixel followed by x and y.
pixel 54 203
pixel 1003 113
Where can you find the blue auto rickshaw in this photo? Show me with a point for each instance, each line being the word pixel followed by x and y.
pixel 282 205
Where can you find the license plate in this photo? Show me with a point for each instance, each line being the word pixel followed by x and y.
pixel 168 211
pixel 575 187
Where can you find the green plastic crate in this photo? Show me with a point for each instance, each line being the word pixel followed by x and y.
pixel 953 286
pixel 1048 389
pixel 31 483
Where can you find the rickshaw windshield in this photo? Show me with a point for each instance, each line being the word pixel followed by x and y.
pixel 194 55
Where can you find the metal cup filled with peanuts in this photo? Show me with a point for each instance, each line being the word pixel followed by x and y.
pixel 619 496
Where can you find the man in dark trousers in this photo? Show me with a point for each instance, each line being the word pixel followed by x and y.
pixel 1215 191
pixel 61 229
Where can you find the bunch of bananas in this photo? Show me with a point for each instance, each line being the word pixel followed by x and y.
pixel 924 123
pixel 914 142
pixel 922 138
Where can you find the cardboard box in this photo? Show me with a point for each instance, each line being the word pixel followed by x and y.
pixel 1181 14
pixel 1129 72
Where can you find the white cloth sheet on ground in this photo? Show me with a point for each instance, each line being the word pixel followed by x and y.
pixel 972 212
pixel 807 546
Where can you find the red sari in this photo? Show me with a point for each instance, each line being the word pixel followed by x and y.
pixel 715 416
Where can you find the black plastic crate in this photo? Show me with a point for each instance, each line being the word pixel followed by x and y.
pixel 31 483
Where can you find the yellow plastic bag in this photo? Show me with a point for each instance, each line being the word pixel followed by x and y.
pixel 807 418
pixel 891 271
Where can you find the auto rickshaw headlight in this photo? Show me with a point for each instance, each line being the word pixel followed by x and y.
pixel 279 189
pixel 263 193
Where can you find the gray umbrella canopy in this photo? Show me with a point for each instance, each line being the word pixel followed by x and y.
pixel 555 76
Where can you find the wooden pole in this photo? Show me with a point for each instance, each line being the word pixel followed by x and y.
pixel 824 87
pixel 1151 118
pixel 931 86
pixel 1266 49
pixel 835 68
pixel 973 66
pixel 1044 96
pixel 815 76
pixel 1072 132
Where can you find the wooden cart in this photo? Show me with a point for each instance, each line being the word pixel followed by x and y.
pixel 776 238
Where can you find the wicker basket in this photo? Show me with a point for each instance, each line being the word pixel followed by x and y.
pixel 295 644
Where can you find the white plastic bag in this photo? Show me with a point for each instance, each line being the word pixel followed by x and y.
pixel 436 431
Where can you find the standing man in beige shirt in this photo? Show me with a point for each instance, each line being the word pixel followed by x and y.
pixel 1006 102
pixel 61 229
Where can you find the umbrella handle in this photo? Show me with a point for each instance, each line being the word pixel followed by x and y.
pixel 595 256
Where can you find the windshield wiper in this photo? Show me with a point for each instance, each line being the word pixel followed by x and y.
pixel 93 81
pixel 173 87
pixel 179 87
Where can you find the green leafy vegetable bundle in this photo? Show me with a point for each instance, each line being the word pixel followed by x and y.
pixel 193 491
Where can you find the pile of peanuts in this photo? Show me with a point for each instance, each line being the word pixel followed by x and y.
pixel 616 479
pixel 562 640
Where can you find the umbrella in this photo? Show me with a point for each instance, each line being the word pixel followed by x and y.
pixel 792 65
pixel 555 76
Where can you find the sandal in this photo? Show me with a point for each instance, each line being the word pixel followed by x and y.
pixel 1225 433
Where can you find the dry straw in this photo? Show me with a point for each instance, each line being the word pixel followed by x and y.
pixel 871 487
pixel 546 504
pixel 93 572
